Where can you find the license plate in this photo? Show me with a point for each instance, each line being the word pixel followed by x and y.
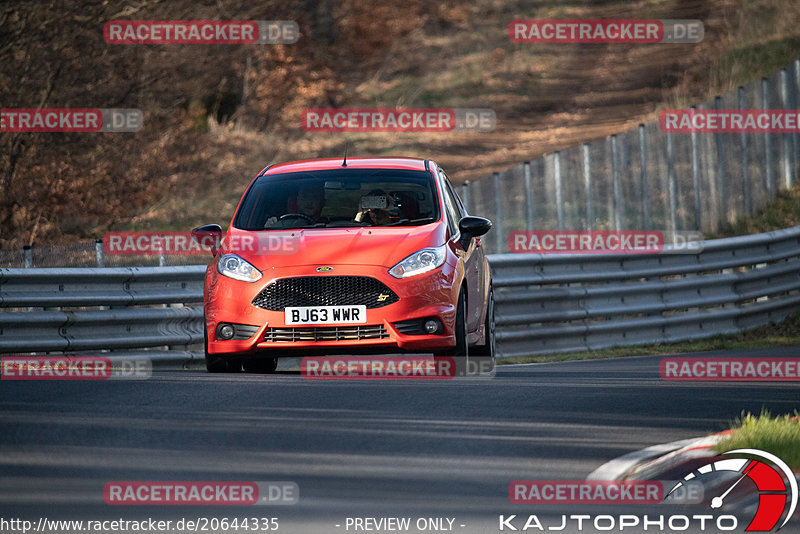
pixel 325 314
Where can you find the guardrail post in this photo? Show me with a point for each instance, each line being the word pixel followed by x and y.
pixel 673 203
pixel 745 163
pixel 767 141
pixel 698 205
pixel 28 254
pixel 529 209
pixel 721 167
pixel 98 252
pixel 559 190
pixel 617 187
pixel 498 206
pixel 787 161
pixel 643 179
pixel 587 182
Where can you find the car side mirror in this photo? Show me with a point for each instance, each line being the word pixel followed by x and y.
pixel 209 235
pixel 471 226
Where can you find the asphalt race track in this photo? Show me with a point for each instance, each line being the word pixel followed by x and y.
pixel 418 449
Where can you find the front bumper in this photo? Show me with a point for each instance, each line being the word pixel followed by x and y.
pixel 427 295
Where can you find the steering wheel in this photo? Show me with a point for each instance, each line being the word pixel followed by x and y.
pixel 297 216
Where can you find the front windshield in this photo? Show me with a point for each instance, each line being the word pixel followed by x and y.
pixel 339 198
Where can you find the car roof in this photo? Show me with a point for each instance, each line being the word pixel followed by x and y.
pixel 352 163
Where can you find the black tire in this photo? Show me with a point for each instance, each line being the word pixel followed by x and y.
pixel 488 350
pixel 220 363
pixel 459 352
pixel 482 358
pixel 460 349
pixel 460 329
pixel 260 365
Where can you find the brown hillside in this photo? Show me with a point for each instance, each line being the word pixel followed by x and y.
pixel 214 115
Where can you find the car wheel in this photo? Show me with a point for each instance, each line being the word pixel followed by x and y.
pixel 260 365
pixel 219 363
pixel 484 356
pixel 460 349
pixel 488 350
pixel 459 352
pixel 460 329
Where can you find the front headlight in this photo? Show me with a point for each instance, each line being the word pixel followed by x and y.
pixel 420 262
pixel 233 266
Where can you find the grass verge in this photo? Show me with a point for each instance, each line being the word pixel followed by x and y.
pixel 778 434
pixel 785 333
pixel 783 212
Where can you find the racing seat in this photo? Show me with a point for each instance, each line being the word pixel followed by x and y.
pixel 408 204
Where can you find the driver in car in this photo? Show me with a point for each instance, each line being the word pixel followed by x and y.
pixel 310 200
pixel 306 208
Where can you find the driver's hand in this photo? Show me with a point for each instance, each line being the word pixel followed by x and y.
pixel 272 221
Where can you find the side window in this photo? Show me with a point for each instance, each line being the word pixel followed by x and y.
pixel 450 205
pixel 459 207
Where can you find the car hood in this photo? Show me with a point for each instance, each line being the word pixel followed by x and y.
pixel 332 246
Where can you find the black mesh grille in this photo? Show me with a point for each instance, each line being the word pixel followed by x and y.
pixel 325 291
pixel 413 327
pixel 243 331
pixel 325 333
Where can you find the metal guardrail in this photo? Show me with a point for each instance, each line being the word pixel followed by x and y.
pixel 75 309
pixel 557 303
pixel 545 303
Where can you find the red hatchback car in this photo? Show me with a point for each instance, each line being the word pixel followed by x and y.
pixel 361 255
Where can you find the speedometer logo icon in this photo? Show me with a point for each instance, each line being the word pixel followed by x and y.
pixel 774 481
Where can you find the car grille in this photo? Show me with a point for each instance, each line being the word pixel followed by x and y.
pixel 325 333
pixel 413 327
pixel 243 331
pixel 325 291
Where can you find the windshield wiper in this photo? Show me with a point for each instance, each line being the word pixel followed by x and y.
pixel 344 224
pixel 300 227
pixel 413 222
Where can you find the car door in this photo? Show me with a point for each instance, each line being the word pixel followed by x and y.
pixel 472 256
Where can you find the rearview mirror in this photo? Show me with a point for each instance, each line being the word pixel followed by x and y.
pixel 473 227
pixel 209 235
